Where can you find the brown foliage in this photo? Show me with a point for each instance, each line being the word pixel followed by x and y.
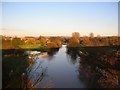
pixel 54 42
pixel 73 42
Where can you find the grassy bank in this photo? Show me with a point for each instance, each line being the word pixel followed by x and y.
pixel 30 46
pixel 15 62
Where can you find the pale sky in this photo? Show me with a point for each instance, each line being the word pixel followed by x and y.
pixel 59 18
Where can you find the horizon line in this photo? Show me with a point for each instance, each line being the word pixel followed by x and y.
pixel 58 35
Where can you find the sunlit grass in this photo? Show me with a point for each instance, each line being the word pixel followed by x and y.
pixel 30 46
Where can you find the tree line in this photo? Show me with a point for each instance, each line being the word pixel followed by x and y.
pixel 77 41
pixel 56 42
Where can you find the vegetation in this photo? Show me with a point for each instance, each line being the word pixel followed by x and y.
pixel 98 66
pixel 101 66
pixel 13 67
pixel 100 41
pixel 16 66
pixel 56 42
pixel 31 43
pixel 76 41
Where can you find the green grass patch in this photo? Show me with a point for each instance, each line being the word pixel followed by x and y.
pixel 30 46
pixel 38 47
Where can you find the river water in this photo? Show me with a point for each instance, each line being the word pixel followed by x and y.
pixel 59 69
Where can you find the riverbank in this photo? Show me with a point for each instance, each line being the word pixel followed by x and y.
pixel 12 69
pixel 16 61
pixel 102 66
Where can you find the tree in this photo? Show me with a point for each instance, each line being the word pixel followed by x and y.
pixel 74 40
pixel 76 35
pixel 55 42
pixel 16 42
pixel 98 36
pixel 42 39
pixel 91 35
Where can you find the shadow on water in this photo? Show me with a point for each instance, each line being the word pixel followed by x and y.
pixel 52 51
pixel 73 53
pixel 37 71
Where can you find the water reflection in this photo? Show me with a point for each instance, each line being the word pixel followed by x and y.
pixel 59 70
pixel 73 54
pixel 52 51
pixel 35 71
pixel 87 73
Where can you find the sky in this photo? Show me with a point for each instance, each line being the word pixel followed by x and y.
pixel 59 18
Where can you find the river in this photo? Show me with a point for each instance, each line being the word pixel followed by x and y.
pixel 60 70
pixel 83 67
